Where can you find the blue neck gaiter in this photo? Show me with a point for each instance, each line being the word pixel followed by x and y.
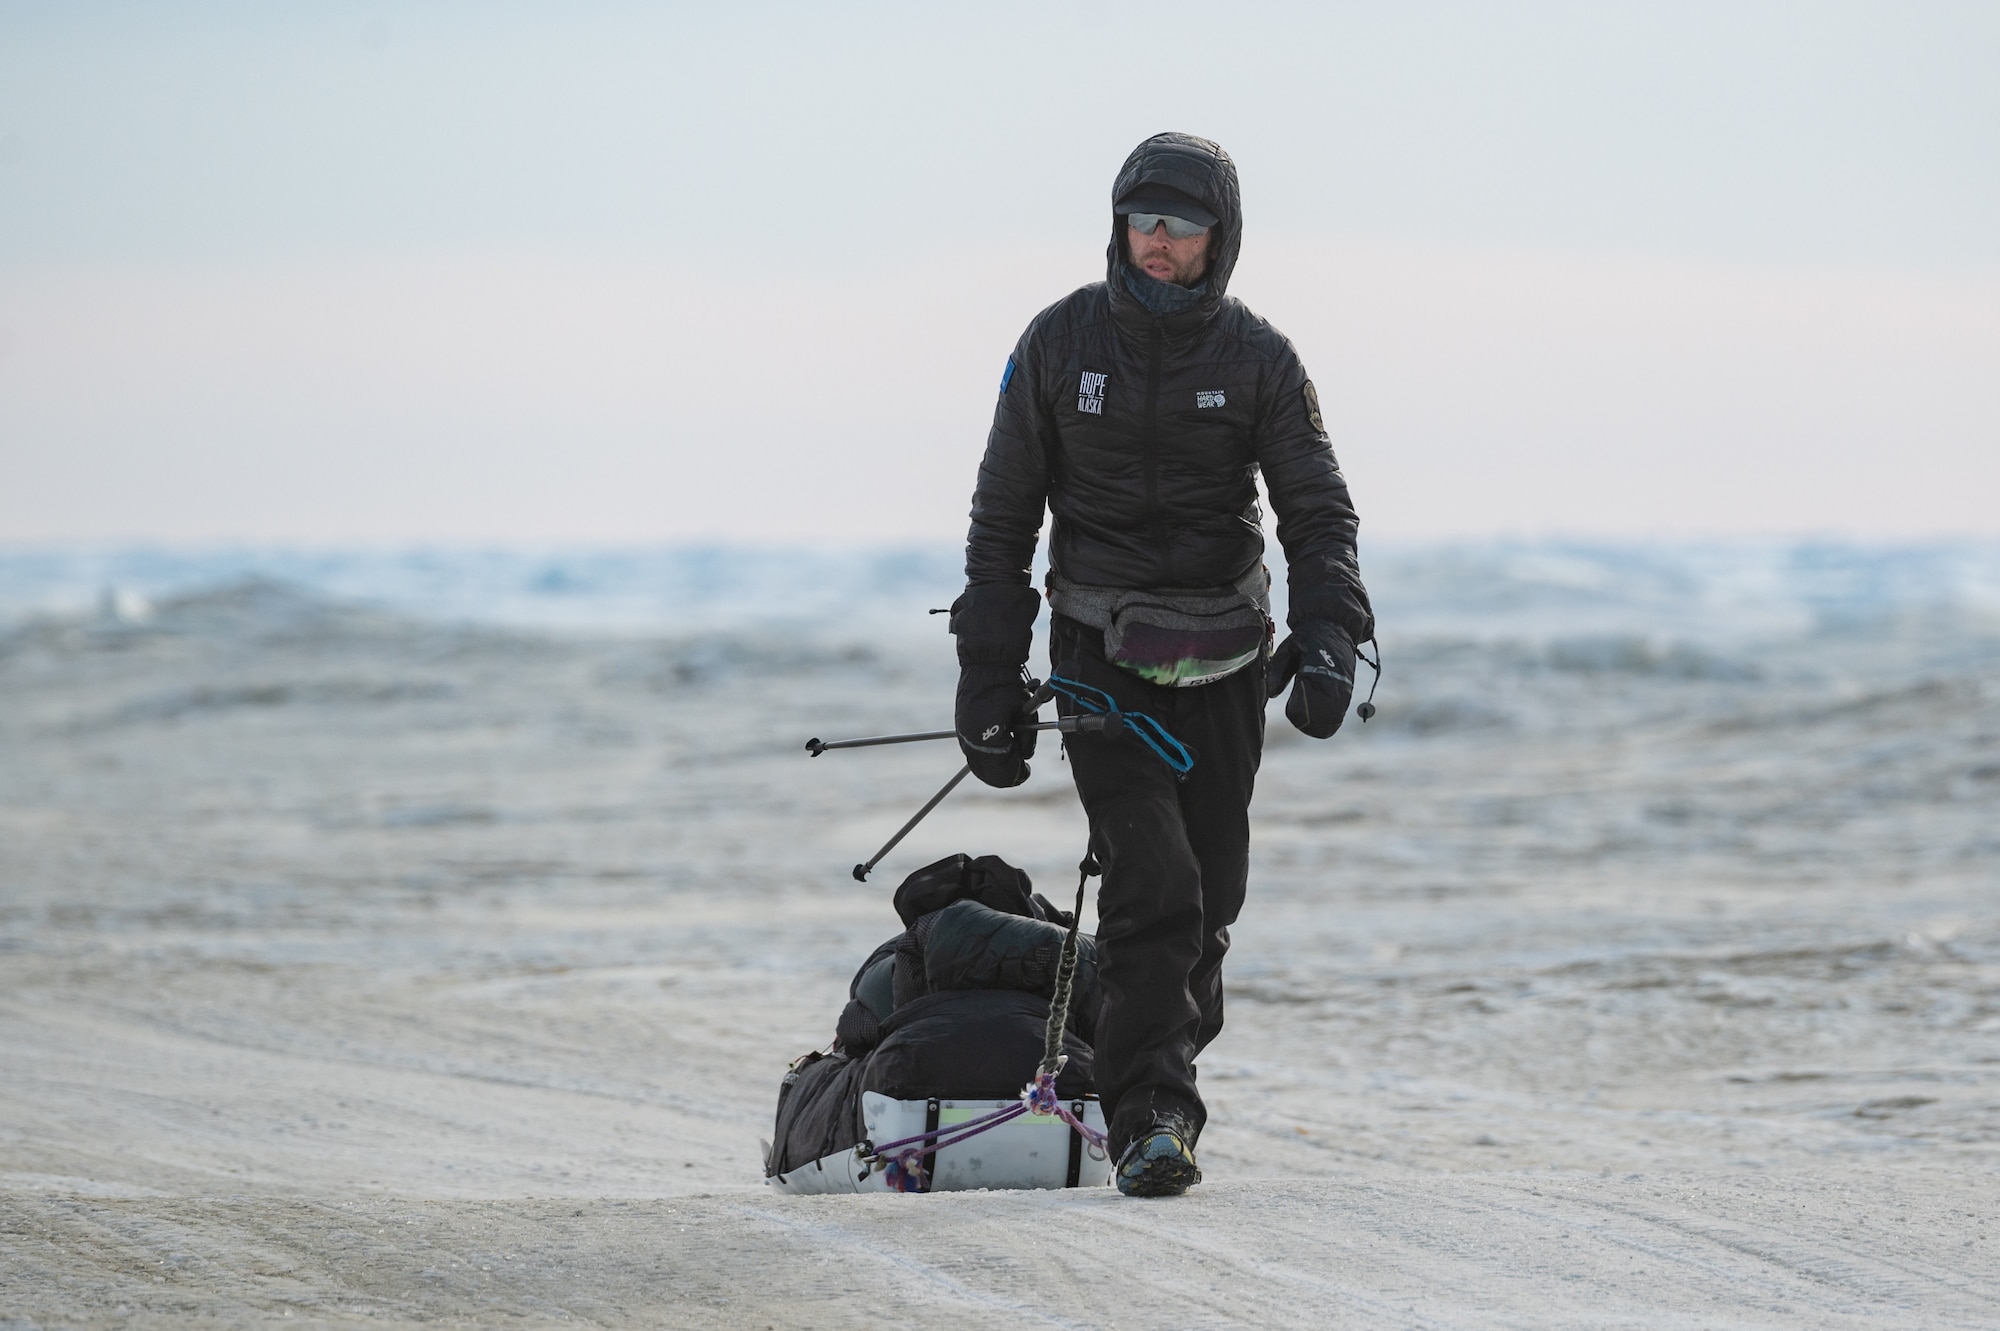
pixel 1162 298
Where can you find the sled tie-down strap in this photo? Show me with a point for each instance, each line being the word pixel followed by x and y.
pixel 902 1160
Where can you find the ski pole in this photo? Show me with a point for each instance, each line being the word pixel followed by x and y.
pixel 1086 723
pixel 861 870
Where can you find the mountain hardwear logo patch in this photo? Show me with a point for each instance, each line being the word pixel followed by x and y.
pixel 1090 392
pixel 1210 397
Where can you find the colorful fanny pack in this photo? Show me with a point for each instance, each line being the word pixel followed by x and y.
pixel 1173 637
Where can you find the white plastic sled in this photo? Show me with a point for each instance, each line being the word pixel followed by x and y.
pixel 1032 1151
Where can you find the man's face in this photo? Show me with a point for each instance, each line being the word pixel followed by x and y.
pixel 1165 259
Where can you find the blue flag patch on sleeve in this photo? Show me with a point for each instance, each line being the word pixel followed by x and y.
pixel 1006 376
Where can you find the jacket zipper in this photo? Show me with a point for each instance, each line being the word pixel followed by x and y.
pixel 1151 450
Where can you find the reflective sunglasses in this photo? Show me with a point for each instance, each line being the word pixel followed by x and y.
pixel 1178 228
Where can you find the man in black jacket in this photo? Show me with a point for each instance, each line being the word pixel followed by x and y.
pixel 1140 411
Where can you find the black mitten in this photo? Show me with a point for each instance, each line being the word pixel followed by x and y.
pixel 990 717
pixel 994 624
pixel 1321 657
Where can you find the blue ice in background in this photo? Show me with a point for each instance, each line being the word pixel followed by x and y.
pixel 1527 590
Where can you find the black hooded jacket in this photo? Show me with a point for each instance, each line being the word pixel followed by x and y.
pixel 1144 436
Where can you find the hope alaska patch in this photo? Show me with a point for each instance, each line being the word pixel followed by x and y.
pixel 1090 392
pixel 1311 396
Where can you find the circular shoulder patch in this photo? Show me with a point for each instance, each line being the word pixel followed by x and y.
pixel 1312 408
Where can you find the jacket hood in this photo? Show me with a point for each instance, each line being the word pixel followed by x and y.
pixel 1198 168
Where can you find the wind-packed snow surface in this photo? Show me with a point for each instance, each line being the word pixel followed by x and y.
pixel 418 938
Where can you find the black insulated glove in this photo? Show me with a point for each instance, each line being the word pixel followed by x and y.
pixel 1321 657
pixel 990 716
pixel 994 624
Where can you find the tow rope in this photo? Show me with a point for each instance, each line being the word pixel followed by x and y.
pixel 902 1160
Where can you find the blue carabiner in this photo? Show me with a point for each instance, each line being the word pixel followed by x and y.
pixel 1150 732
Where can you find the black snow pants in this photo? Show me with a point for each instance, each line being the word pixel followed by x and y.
pixel 1175 856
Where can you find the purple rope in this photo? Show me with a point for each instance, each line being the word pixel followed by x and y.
pixel 971 1127
pixel 1041 1098
pixel 904 1170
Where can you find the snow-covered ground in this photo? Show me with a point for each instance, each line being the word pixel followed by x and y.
pixel 358 964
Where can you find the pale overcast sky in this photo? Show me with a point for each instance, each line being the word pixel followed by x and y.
pixel 607 273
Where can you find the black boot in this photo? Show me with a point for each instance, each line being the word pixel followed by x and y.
pixel 1159 1161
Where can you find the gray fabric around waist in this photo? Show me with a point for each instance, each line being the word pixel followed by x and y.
pixel 1175 637
pixel 1094 605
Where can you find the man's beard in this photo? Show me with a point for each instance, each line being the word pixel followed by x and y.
pixel 1185 276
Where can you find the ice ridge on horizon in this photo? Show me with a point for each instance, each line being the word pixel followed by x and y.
pixel 1533 590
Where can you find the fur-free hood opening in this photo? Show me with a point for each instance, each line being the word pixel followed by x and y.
pixel 1195 167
